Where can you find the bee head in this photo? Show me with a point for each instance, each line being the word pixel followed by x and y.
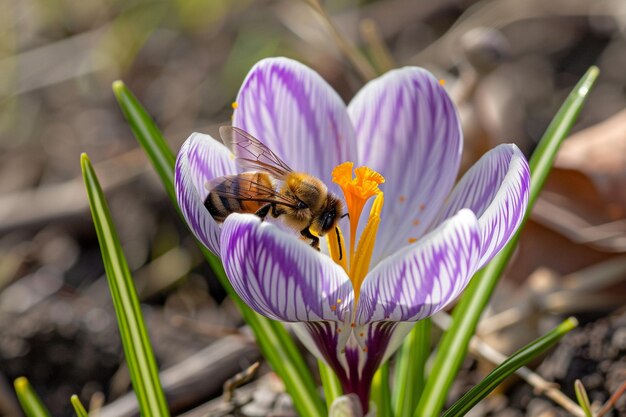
pixel 328 216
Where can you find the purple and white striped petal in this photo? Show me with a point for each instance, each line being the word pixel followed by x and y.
pixel 201 159
pixel 422 279
pixel 496 190
pixel 280 276
pixel 408 130
pixel 294 112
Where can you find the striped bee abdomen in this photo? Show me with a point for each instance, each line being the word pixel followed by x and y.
pixel 237 194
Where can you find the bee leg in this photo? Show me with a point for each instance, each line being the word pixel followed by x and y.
pixel 263 211
pixel 315 241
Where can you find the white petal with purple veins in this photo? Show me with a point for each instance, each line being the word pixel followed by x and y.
pixel 421 279
pixel 280 276
pixel 408 130
pixel 496 190
pixel 295 113
pixel 200 159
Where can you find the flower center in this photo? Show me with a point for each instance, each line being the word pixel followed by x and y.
pixel 357 190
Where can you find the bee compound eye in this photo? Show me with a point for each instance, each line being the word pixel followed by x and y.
pixel 329 221
pixel 301 205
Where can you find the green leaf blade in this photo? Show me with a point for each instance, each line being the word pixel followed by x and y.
pixel 455 341
pixel 547 148
pixel 381 392
pixel 330 383
pixel 149 137
pixel 78 406
pixel 137 348
pixel 411 369
pixel 583 398
pixel 29 400
pixel 508 367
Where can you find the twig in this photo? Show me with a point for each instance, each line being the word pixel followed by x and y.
pixel 196 377
pixel 577 291
pixel 501 13
pixel 95 403
pixel 480 348
pixel 503 319
pixel 65 200
pixel 238 380
pixel 611 401
pixel 600 275
pixel 207 329
pixel 380 53
pixel 608 237
pixel 65 60
pixel 363 67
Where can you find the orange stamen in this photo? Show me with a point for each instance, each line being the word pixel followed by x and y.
pixel 357 190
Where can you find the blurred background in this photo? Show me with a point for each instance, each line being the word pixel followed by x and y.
pixel 508 64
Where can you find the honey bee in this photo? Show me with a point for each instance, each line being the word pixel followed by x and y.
pixel 301 200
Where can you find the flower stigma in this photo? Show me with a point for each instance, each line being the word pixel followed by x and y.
pixel 357 190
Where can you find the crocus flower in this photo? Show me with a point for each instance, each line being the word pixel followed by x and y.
pixel 408 258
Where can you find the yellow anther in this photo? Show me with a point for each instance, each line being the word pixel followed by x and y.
pixel 359 264
pixel 234 105
pixel 442 82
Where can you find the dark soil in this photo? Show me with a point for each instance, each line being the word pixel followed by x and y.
pixel 595 354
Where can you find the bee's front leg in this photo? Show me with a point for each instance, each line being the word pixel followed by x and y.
pixel 315 241
pixel 263 211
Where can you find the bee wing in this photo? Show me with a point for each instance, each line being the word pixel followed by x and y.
pixel 243 188
pixel 252 154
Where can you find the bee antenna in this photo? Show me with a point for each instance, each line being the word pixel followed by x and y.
pixel 339 242
pixel 345 215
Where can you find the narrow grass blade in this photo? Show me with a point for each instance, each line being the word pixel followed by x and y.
pixel 583 398
pixel 276 344
pixel 29 400
pixel 149 137
pixel 78 406
pixel 410 369
pixel 381 393
pixel 330 383
pixel 139 356
pixel 508 367
pixel 453 347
